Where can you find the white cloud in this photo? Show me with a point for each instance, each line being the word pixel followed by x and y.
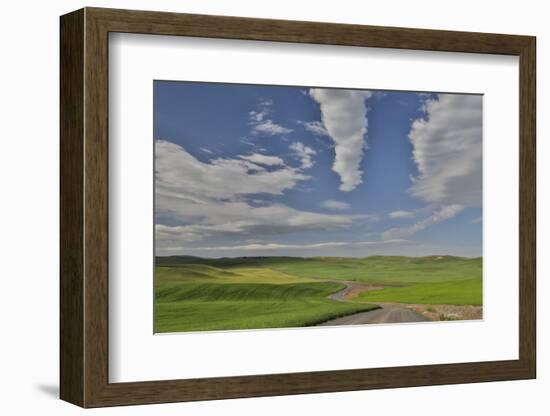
pixel 396 247
pixel 265 160
pixel 203 200
pixel 335 205
pixel 261 124
pixel 304 153
pixel 189 233
pixel 477 220
pixel 269 128
pixel 178 172
pixel 241 217
pixel 315 127
pixel 261 112
pixel 238 219
pixel 205 150
pixel 401 214
pixel 277 246
pixel 447 150
pixel 343 113
pixel 440 215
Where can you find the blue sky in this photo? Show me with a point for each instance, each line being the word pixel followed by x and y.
pixel 248 170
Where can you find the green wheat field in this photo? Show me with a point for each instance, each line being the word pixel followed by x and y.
pixel 200 294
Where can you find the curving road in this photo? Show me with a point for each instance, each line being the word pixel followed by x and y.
pixel 343 293
pixel 387 314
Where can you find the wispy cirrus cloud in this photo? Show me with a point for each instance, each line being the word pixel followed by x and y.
pixel 261 159
pixel 315 127
pixel 401 214
pixel 335 205
pixel 442 214
pixel 261 124
pixel 304 153
pixel 344 116
pixel 279 246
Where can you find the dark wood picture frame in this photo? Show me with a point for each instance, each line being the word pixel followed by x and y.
pixel 84 207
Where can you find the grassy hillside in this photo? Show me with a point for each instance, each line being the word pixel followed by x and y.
pixel 381 269
pixel 461 292
pixel 197 294
pixel 224 306
pixel 374 269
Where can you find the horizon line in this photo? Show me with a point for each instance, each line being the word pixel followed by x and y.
pixel 309 257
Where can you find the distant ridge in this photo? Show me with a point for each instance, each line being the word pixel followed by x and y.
pixel 376 256
pixel 276 261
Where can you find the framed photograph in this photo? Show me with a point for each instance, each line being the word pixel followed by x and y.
pixel 255 207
